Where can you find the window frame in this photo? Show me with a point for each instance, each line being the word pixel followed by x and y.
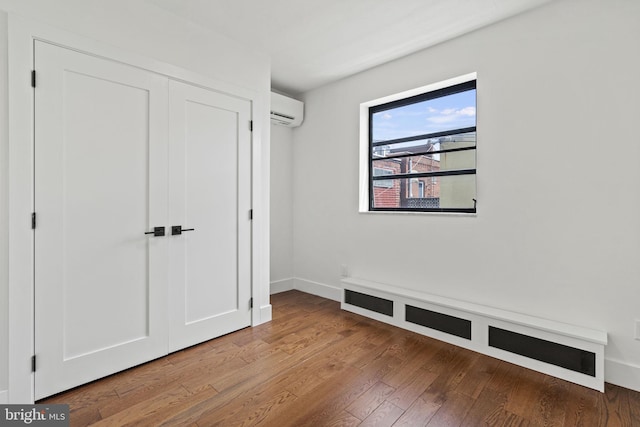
pixel 421 94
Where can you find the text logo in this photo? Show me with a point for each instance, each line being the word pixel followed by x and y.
pixel 34 415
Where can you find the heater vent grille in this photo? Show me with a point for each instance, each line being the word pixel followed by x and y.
pixel 379 305
pixel 441 322
pixel 577 360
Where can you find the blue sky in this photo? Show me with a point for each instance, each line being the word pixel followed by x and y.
pixel 436 115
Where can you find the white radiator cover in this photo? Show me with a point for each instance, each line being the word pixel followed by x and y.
pixel 482 318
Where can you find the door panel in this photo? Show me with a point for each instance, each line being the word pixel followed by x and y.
pixel 100 184
pixel 92 223
pixel 211 196
pixel 209 192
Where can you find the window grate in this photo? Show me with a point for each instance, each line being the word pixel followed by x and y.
pixel 422 152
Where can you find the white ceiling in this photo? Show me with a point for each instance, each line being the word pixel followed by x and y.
pixel 314 42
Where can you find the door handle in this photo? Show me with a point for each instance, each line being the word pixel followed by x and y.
pixel 177 230
pixel 157 231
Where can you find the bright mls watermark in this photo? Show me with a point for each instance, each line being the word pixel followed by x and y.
pixel 34 415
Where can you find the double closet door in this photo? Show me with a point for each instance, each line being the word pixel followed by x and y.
pixel 142 196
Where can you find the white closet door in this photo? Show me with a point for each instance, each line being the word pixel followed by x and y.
pixel 210 191
pixel 100 184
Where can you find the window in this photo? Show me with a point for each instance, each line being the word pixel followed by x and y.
pixel 421 149
pixel 385 183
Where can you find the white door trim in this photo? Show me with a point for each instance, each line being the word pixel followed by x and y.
pixel 22 33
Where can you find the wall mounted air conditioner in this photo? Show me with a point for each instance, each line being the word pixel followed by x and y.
pixel 286 111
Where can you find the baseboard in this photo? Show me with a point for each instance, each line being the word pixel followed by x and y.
pixel 622 374
pixel 281 285
pixel 265 313
pixel 320 289
pixel 4 397
pixel 315 288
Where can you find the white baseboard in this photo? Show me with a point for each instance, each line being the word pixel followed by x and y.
pixel 315 288
pixel 320 289
pixel 282 285
pixel 622 374
pixel 4 397
pixel 265 313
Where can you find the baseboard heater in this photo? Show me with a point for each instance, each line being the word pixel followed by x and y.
pixel 564 351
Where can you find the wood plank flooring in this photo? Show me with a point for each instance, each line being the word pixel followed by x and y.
pixel 315 365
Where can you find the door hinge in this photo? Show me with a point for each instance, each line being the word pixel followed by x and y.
pixel 33 78
pixel 251 302
pixel 250 214
pixel 33 363
pixel 251 125
pixel 33 221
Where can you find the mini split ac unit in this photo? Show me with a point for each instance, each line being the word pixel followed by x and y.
pixel 286 111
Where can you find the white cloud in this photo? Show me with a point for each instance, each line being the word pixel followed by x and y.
pixel 386 116
pixel 451 114
pixel 467 111
pixel 442 119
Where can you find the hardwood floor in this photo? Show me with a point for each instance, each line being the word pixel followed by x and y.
pixel 315 365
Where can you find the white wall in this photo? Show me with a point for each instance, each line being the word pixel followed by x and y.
pixel 281 230
pixel 4 211
pixel 142 29
pixel 557 234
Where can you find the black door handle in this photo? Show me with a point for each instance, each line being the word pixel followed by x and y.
pixel 157 231
pixel 177 230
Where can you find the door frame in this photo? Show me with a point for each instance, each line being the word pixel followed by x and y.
pixel 22 34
